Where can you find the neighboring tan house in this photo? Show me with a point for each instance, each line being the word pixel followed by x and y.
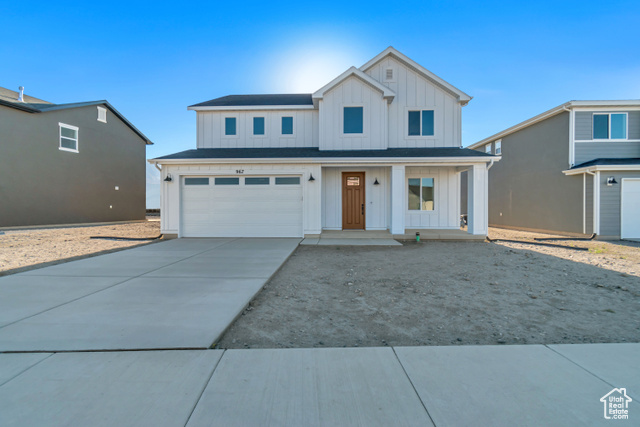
pixel 377 148
pixel 68 163
pixel 574 169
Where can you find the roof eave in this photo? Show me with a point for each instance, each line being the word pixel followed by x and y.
pixel 601 168
pixel 252 107
pixel 442 161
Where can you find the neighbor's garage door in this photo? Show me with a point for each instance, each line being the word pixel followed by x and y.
pixel 256 206
pixel 630 208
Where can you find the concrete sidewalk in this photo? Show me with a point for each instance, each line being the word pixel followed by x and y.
pixel 404 386
pixel 178 294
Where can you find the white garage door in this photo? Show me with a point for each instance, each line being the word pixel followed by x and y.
pixel 256 206
pixel 630 209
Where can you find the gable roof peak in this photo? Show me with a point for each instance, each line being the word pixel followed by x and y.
pixel 352 71
pixel 463 98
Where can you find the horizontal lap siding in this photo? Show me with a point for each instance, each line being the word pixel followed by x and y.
pixel 610 202
pixel 586 151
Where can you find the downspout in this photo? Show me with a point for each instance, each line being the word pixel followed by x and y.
pixel 490 165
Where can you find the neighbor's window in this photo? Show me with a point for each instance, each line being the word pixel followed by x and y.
pixel 610 126
pixel 68 138
pixel 421 194
pixel 287 125
pixel 229 125
pixel 487 149
pixel 258 125
pixel 353 120
pixel 102 114
pixel 498 147
pixel 421 123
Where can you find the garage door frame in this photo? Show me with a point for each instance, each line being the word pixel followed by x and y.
pixel 622 198
pixel 180 181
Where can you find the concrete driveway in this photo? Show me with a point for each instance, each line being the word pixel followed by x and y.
pixel 178 294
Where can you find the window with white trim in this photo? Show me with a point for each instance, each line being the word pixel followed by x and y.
pixel 610 125
pixel 229 126
pixel 421 194
pixel 353 120
pixel 498 147
pixel 102 114
pixel 421 123
pixel 287 125
pixel 487 149
pixel 68 137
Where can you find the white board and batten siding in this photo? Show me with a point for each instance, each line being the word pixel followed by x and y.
pixel 353 92
pixel 446 213
pixel 211 129
pixel 255 207
pixel 377 197
pixel 414 92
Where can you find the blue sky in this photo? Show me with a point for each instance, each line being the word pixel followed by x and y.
pixel 153 59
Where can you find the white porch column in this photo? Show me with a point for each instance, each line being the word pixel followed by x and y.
pixel 312 200
pixel 478 200
pixel 397 199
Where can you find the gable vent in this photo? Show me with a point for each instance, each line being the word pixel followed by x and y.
pixel 388 74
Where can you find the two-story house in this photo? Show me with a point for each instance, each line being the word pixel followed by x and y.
pixel 68 163
pixel 574 169
pixel 377 148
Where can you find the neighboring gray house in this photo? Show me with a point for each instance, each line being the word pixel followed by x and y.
pixel 574 169
pixel 68 163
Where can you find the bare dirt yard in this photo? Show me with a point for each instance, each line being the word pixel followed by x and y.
pixel 25 249
pixel 447 293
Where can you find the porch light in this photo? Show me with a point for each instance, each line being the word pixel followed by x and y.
pixel 376 182
pixel 611 180
pixel 311 178
pixel 168 178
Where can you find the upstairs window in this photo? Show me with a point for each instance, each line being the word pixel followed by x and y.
pixel 353 120
pixel 102 114
pixel 68 138
pixel 258 125
pixel 487 149
pixel 287 125
pixel 229 125
pixel 421 123
pixel 498 147
pixel 421 195
pixel 610 126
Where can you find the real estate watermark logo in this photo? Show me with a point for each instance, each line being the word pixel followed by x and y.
pixel 616 404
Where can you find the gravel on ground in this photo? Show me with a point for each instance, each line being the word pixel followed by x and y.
pixel 30 248
pixel 445 293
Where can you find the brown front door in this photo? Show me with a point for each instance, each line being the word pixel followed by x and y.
pixel 353 200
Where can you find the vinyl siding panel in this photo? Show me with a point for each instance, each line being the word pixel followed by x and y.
pixel 353 92
pixel 585 151
pixel 415 92
pixel 583 126
pixel 610 203
pixel 210 125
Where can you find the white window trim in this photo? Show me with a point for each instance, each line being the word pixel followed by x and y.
pixel 435 195
pixel 102 112
pixel 266 126
pixel 288 135
pixel 609 139
pixel 421 109
pixel 497 147
pixel 364 133
pixel 77 129
pixel 224 126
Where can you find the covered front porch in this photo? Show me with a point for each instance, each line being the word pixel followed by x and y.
pixel 366 201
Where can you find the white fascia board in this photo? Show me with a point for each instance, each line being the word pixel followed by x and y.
pixel 602 168
pixel 540 117
pixel 253 108
pixel 387 93
pixel 439 161
pixel 463 97
pixel 609 103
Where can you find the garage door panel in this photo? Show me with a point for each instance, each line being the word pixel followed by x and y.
pixel 241 210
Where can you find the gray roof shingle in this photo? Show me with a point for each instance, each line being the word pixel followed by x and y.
pixel 257 100
pixel 314 152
